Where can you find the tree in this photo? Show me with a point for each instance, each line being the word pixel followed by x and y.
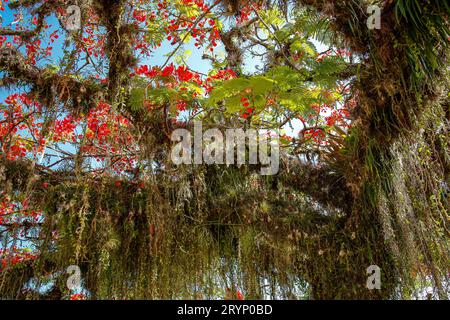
pixel 87 178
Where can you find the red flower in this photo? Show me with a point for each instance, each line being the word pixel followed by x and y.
pixel 78 296
pixel 168 71
pixel 141 70
pixel 152 73
pixel 139 15
pixel 184 74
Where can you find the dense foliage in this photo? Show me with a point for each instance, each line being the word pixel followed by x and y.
pixel 86 177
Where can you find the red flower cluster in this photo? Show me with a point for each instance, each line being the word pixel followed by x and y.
pixel 139 15
pixel 16 118
pixel 64 129
pixel 184 74
pixel 203 30
pixel 78 296
pixel 248 111
pixel 180 74
pixel 337 117
pixel 221 75
pixel 93 41
pixel 108 134
pixel 318 134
